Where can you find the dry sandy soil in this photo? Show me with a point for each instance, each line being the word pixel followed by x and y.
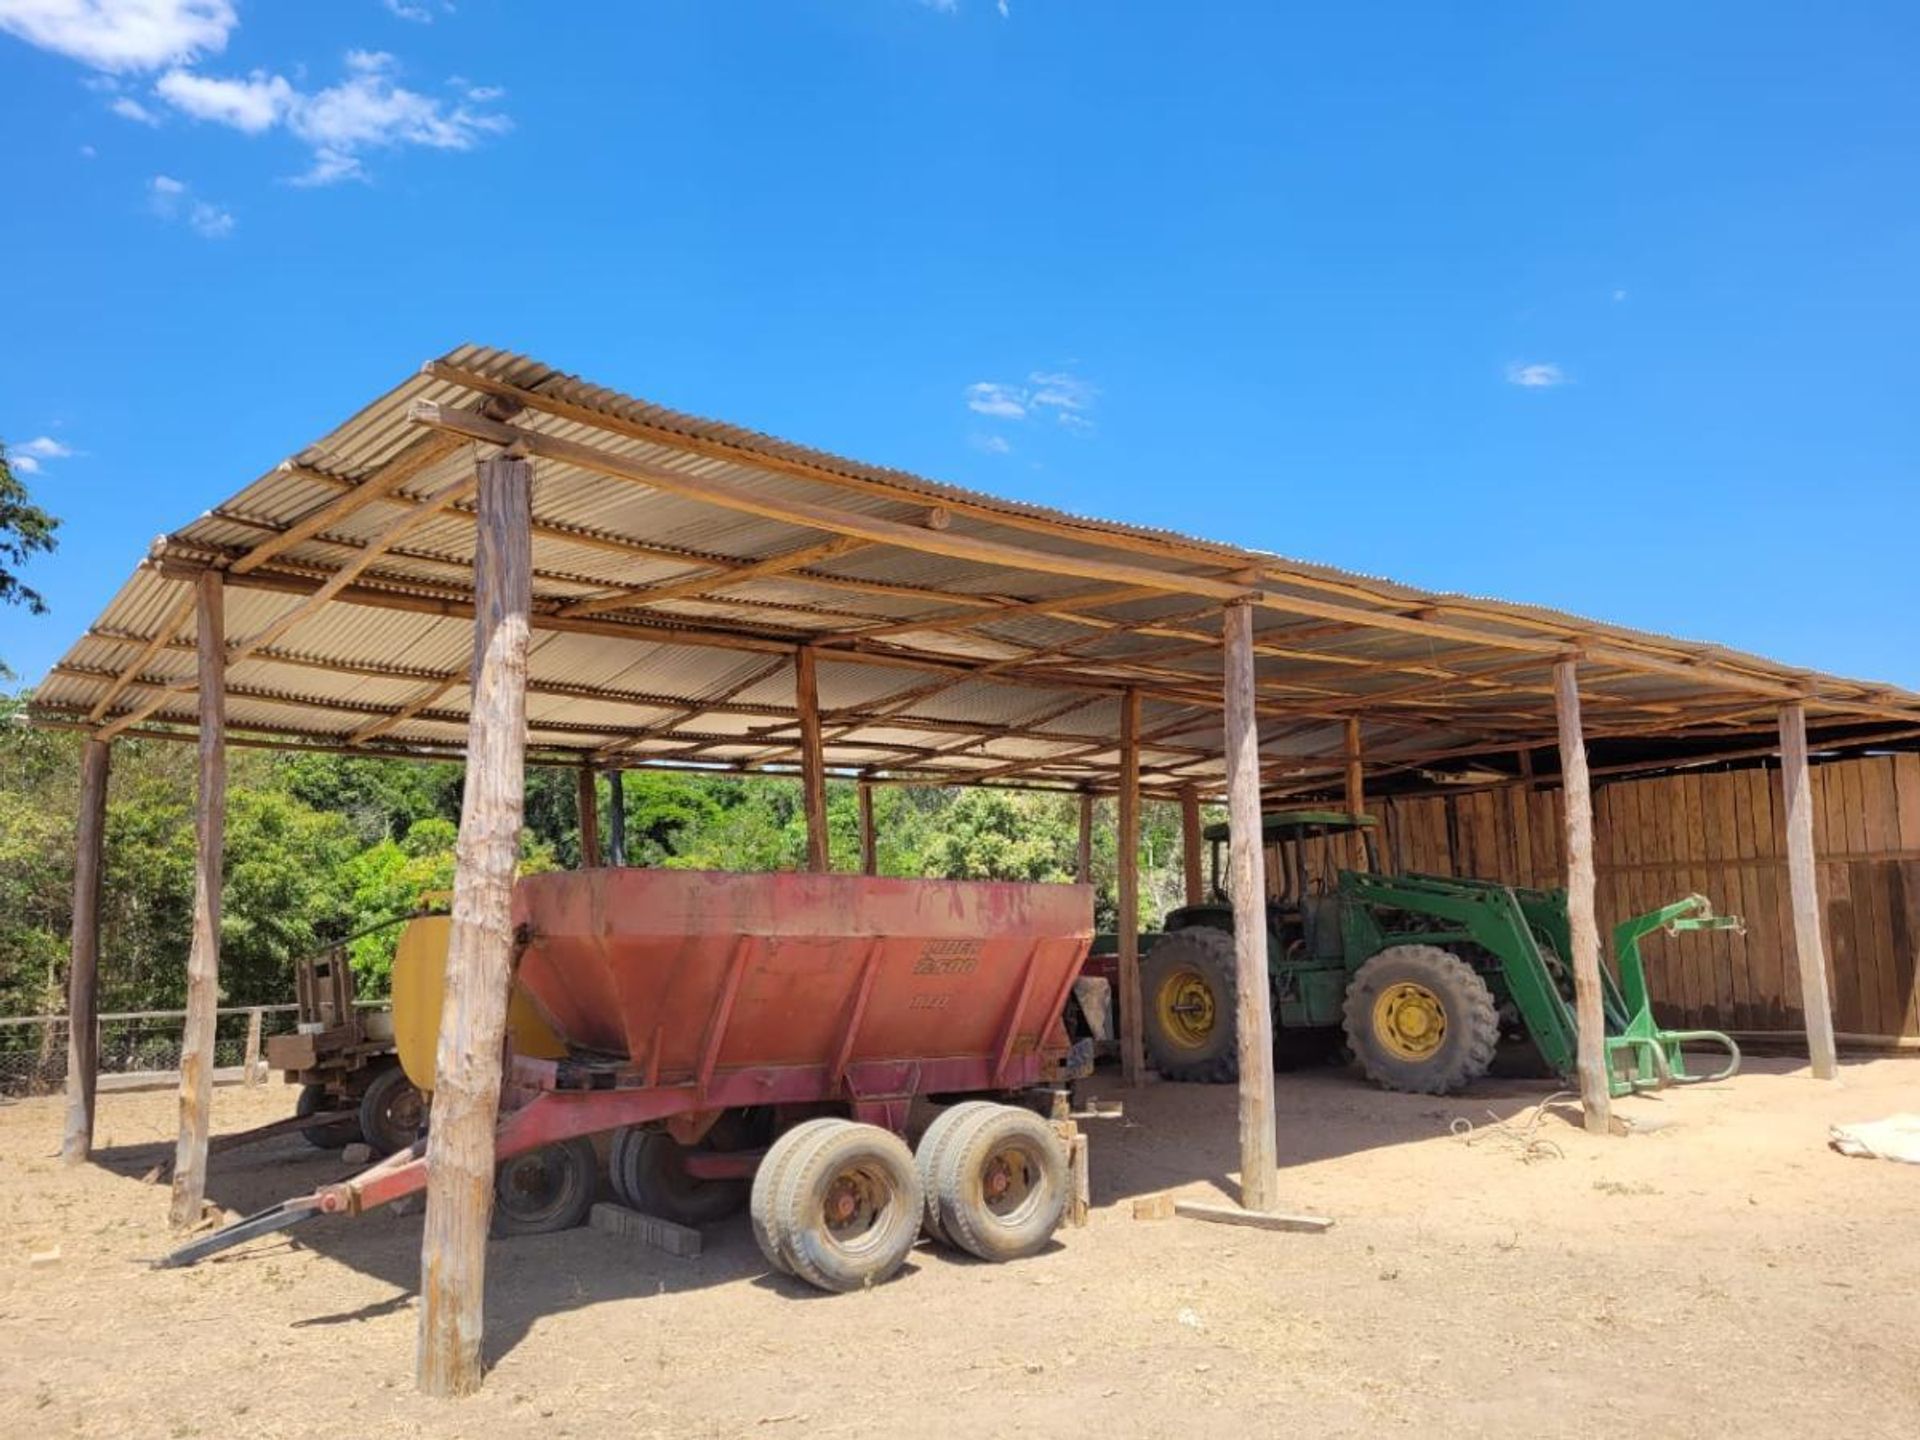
pixel 1722 1274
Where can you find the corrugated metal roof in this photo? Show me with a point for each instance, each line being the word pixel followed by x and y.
pixel 1032 621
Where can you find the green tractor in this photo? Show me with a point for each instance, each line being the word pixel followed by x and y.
pixel 1423 977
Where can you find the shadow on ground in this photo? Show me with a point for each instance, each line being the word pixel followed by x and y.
pixel 1170 1137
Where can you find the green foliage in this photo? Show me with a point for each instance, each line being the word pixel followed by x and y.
pixel 320 848
pixel 25 530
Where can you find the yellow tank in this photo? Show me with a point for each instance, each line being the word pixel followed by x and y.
pixel 419 979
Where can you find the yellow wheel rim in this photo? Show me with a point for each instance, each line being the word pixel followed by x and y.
pixel 1409 1020
pixel 1185 1006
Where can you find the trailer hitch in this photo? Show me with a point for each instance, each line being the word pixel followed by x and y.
pixel 283 1216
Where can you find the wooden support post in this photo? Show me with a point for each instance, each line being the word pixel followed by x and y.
pixel 1190 844
pixel 1356 795
pixel 250 1061
pixel 1247 856
pixel 473 1019
pixel 869 853
pixel 1595 1101
pixel 813 768
pixel 1809 950
pixel 616 817
pixel 1083 858
pixel 203 961
pixel 83 968
pixel 587 802
pixel 1133 1057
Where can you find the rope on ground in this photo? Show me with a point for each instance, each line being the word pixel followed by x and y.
pixel 1517 1136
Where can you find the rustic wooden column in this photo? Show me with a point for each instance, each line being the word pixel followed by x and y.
pixel 1247 858
pixel 1809 950
pixel 1577 792
pixel 616 818
pixel 473 1018
pixel 813 767
pixel 203 961
pixel 587 801
pixel 1133 1055
pixel 1083 857
pixel 83 966
pixel 1356 795
pixel 1190 843
pixel 869 852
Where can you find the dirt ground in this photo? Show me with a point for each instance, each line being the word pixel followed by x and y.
pixel 1722 1273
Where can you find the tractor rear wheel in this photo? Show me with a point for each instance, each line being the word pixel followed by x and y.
pixel 1188 990
pixel 1419 1018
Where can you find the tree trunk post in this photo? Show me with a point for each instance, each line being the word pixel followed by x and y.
pixel 1356 795
pixel 1133 1056
pixel 813 768
pixel 869 850
pixel 1596 1102
pixel 83 969
pixel 1247 856
pixel 1803 881
pixel 1083 856
pixel 250 1061
pixel 616 818
pixel 473 1020
pixel 587 801
pixel 1190 843
pixel 203 961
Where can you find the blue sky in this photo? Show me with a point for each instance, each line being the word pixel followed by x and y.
pixel 1610 307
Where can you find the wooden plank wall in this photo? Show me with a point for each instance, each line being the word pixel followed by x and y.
pixel 1722 835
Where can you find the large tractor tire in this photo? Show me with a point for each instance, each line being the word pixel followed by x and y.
pixel 1188 990
pixel 1418 1018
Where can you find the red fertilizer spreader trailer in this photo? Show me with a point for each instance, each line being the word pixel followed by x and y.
pixel 759 1039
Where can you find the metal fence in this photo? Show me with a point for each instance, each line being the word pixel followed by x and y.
pixel 33 1048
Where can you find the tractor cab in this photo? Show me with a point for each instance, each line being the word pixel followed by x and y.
pixel 1302 911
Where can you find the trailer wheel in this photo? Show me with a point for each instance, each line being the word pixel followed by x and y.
pixel 1002 1184
pixel 648 1169
pixel 545 1190
pixel 1419 1018
pixel 1189 984
pixel 391 1111
pixel 764 1195
pixel 313 1101
pixel 849 1207
pixel 926 1158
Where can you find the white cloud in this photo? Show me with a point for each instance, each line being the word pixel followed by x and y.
pixel 945 7
pixel 368 110
pixel 254 104
pixel 122 35
pixel 992 444
pixel 128 108
pixel 45 447
pixel 486 94
pixel 987 397
pixel 1535 375
pixel 87 152
pixel 1060 393
pixel 418 14
pixel 24 464
pixel 174 200
pixel 1002 8
pixel 1618 296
